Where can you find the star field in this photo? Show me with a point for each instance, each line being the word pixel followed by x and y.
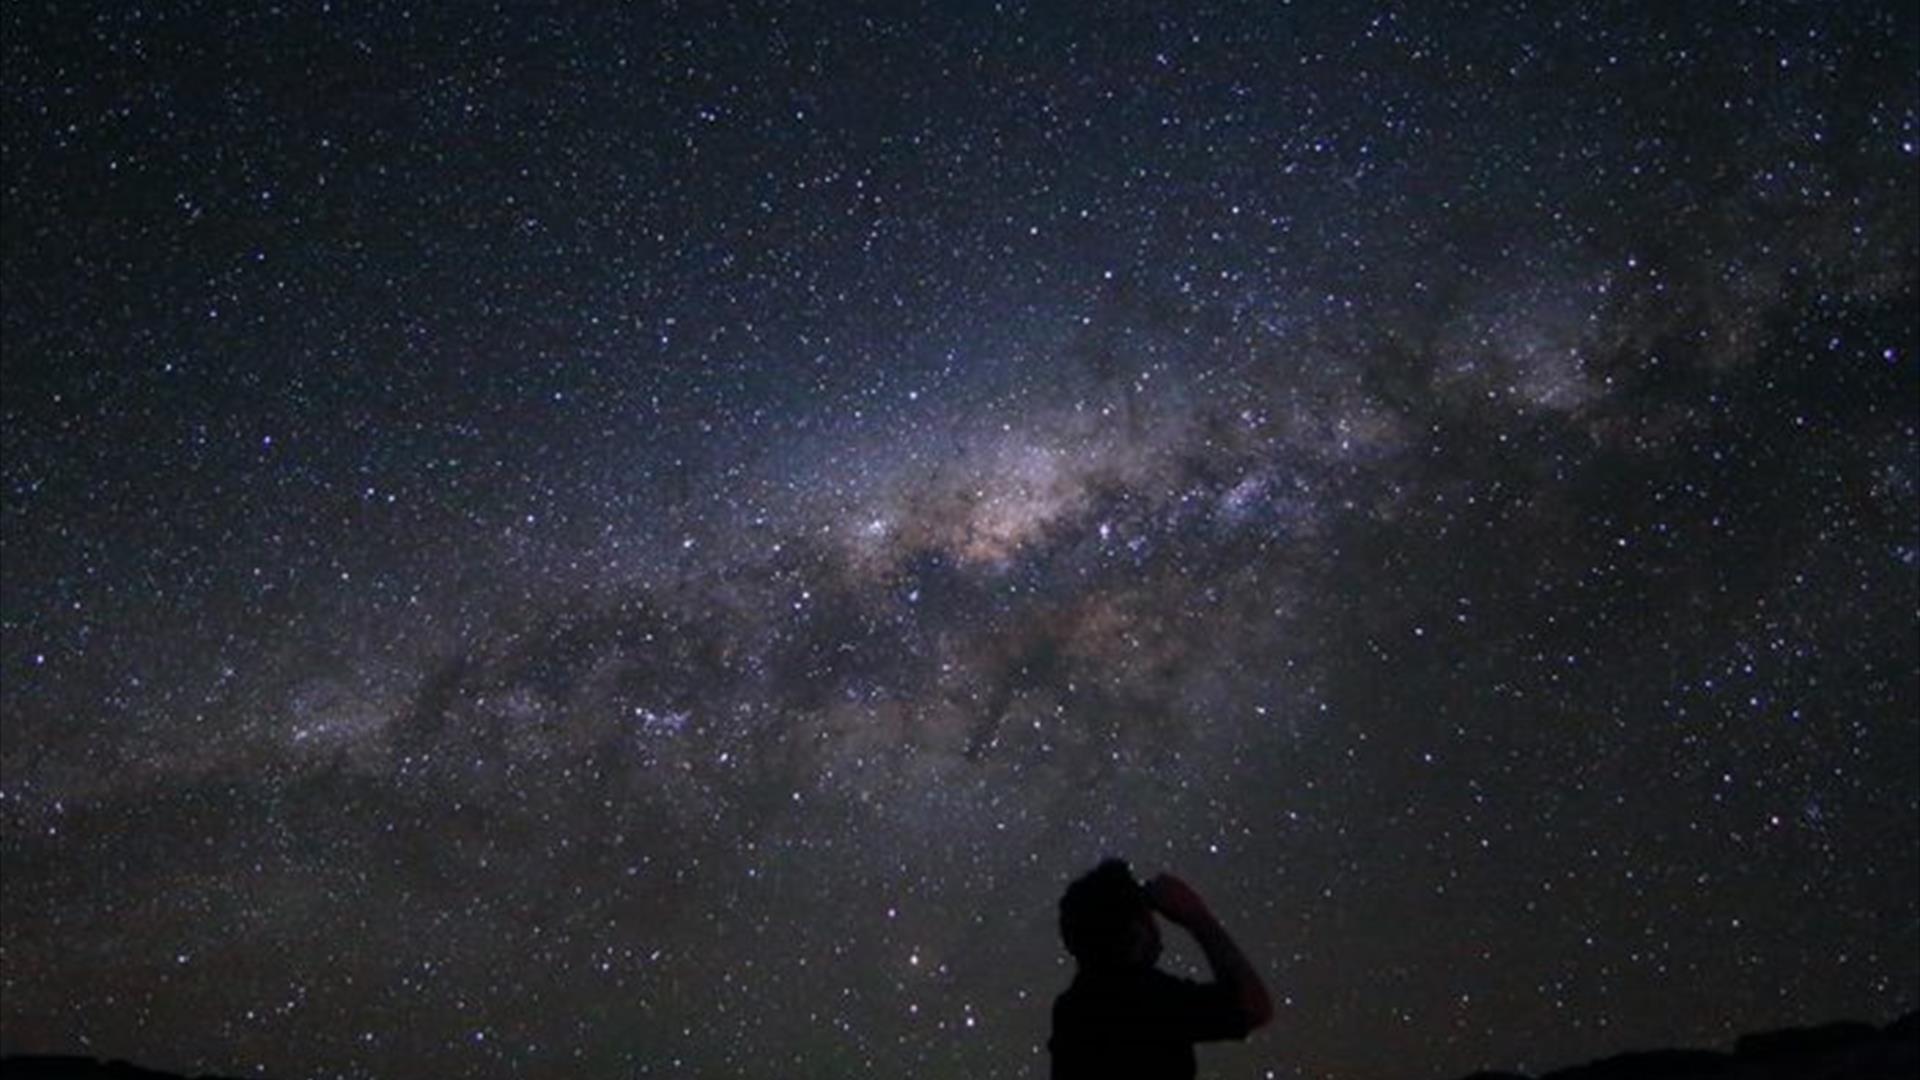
pixel 549 542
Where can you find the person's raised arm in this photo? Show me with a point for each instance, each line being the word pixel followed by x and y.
pixel 1178 901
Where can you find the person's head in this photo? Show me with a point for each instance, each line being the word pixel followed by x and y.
pixel 1106 921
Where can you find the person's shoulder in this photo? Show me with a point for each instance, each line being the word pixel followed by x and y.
pixel 1207 1010
pixel 1075 1006
pixel 1178 992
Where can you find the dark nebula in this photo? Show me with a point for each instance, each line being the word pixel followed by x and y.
pixel 542 542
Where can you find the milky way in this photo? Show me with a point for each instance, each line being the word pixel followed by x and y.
pixel 656 543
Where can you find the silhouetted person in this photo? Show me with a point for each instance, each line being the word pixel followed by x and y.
pixel 1125 1018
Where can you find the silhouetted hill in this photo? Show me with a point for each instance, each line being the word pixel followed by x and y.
pixel 64 1067
pixel 1840 1051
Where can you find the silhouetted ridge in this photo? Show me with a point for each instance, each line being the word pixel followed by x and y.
pixel 1653 1065
pixel 65 1067
pixel 1847 1050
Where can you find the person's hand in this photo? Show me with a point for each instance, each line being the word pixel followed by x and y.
pixel 1177 901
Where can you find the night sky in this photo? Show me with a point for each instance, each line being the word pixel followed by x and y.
pixel 547 542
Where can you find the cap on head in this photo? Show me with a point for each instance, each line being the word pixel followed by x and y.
pixel 1105 919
